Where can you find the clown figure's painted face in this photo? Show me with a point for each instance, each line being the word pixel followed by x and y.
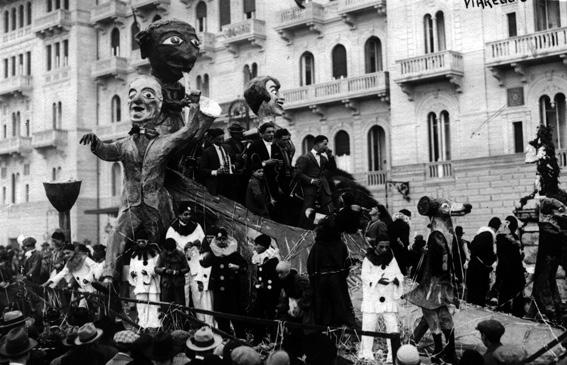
pixel 275 105
pixel 144 100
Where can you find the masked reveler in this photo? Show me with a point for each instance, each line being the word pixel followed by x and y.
pixel 381 289
pixel 144 154
pixel 144 279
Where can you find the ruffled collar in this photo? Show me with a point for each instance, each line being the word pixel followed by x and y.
pixel 224 251
pixel 260 258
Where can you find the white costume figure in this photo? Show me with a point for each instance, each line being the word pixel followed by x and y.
pixel 199 283
pixel 381 289
pixel 143 278
pixel 80 268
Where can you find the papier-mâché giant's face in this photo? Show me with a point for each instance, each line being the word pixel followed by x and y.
pixel 144 100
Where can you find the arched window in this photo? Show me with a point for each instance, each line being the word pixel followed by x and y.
pixel 342 143
pixel 18 130
pixel 201 17
pixel 49 6
pixel 14 124
pixel 373 55
pixel 306 69
pixel 115 42
pixel 116 109
pixel 28 127
pixel 247 74
pixel 553 114
pixel 376 149
pixel 224 13
pixel 29 14
pixel 440 21
pixel 307 144
pixel 116 183
pixel 254 70
pixel 199 82
pixel 59 114
pixel 14 18
pixel 339 61
pixel 54 174
pixel 134 29
pixel 156 18
pixel 434 32
pixel 21 16
pixel 54 115
pixel 14 187
pixel 547 14
pixel 27 193
pixel 6 21
pixel 428 33
pixel 205 89
pixel 439 137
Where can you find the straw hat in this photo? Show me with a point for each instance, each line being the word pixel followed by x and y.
pixel 203 340
pixel 88 333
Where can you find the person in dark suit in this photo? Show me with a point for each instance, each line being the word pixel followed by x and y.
pixel 266 155
pixel 310 172
pixel 32 261
pixel 235 147
pixel 215 165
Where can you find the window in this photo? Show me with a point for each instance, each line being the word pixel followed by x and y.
pixel 199 82
pixel 66 53
pixel 439 137
pixel 54 115
pixel 14 185
pixel 553 115
pixel 205 89
pixel 342 143
pixel 247 74
pixel 5 131
pixel 49 6
pixel 59 115
pixel 307 144
pixel 116 111
pixel 116 176
pixel 306 69
pixel 547 14
pixel 376 149
pixel 28 63
pixel 54 174
pixel 21 64
pixel 48 57
pixel 512 28
pixel 13 65
pixel 4 193
pixel 115 42
pixel 66 4
pixel 224 11
pixel 518 137
pixel 57 4
pixel 6 68
pixel 254 70
pixel 202 17
pixel 27 193
pixel 249 8
pixel 434 32
pixel 21 15
pixel 373 55
pixel 14 18
pixel 4 172
pixel 27 128
pixel 29 14
pixel 6 21
pixel 14 123
pixel 134 29
pixel 57 62
pixel 18 124
pixel 339 61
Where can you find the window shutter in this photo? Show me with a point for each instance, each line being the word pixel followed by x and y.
pixel 224 8
pixel 249 6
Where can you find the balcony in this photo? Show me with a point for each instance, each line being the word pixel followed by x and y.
pixel 249 31
pixel 110 67
pixel 346 91
pixel 372 178
pixel 143 7
pixel 348 8
pixel 52 23
pixel 113 131
pixel 292 19
pixel 16 85
pixel 207 48
pixel 431 67
pixel 439 170
pixel 51 138
pixel 138 63
pixel 15 145
pixel 517 52
pixel 112 11
pixel 16 34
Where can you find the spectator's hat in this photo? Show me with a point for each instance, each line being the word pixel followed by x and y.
pixel 58 235
pixel 29 242
pixel 13 319
pixel 244 355
pixel 263 240
pixel 491 328
pixel 509 354
pixel 235 127
pixel 203 340
pixel 125 337
pixel 215 132
pixel 408 355
pixel 88 333
pixel 17 343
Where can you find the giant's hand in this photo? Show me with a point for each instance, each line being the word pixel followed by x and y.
pixel 89 138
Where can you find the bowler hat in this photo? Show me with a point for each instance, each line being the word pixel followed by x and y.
pixel 203 340
pixel 17 343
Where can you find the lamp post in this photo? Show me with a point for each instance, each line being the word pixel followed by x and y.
pixel 63 195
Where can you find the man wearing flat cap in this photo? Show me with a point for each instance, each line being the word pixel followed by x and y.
pixel 215 165
pixel 32 261
pixel 491 332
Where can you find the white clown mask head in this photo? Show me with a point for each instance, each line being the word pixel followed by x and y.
pixel 144 100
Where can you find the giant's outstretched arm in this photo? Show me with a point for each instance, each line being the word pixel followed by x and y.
pixel 103 150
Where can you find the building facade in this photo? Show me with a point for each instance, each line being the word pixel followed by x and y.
pixel 426 92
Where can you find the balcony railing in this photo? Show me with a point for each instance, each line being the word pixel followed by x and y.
pixel 295 17
pixel 57 74
pixel 251 31
pixel 151 4
pixel 52 22
pixel 207 47
pixel 113 131
pixel 110 67
pixel 353 6
pixel 533 46
pixel 372 178
pixel 109 11
pixel 51 138
pixel 336 91
pixel 20 84
pixel 430 66
pixel 15 145
pixel 439 170
pixel 16 34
